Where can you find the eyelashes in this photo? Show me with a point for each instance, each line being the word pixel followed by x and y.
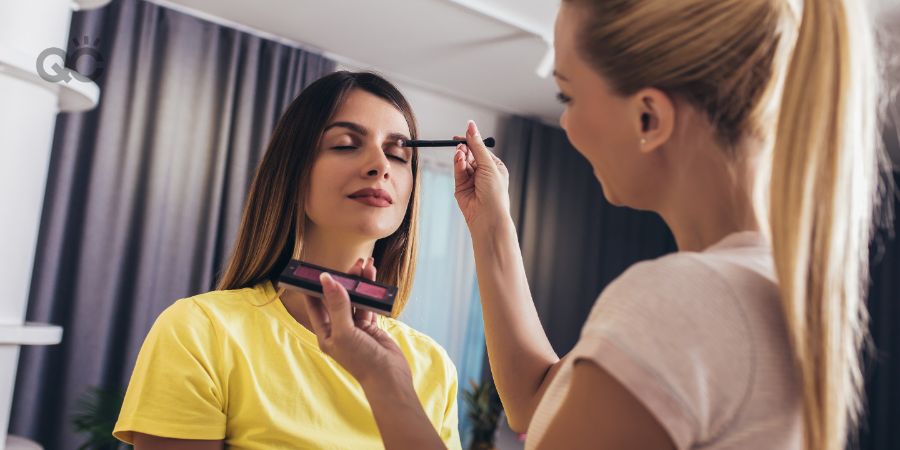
pixel 353 147
pixel 563 98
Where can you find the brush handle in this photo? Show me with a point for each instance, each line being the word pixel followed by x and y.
pixel 488 142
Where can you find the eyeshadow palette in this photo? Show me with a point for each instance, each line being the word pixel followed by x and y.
pixel 364 293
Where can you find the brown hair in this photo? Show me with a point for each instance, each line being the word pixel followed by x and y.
pixel 270 230
pixel 807 84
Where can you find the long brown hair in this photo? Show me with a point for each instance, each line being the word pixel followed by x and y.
pixel 273 218
pixel 807 84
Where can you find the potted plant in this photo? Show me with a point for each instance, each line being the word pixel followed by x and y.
pixel 483 409
pixel 95 414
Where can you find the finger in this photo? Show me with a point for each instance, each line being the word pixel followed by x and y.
pixel 369 270
pixel 363 318
pixel 482 154
pixel 460 174
pixel 371 273
pixel 470 158
pixel 357 267
pixel 337 305
pixel 318 317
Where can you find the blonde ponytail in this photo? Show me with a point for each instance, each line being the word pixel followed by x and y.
pixel 825 168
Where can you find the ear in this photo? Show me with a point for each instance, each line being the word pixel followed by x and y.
pixel 655 118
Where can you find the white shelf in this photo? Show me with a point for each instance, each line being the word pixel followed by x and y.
pixel 74 96
pixel 81 5
pixel 30 334
pixel 20 443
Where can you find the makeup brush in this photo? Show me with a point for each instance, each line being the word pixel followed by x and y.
pixel 488 142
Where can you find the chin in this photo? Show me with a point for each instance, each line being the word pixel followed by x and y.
pixel 610 196
pixel 375 230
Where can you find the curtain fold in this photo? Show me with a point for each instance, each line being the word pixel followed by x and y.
pixel 144 193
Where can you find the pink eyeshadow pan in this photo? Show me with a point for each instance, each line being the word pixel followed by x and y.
pixel 308 273
pixel 346 282
pixel 371 290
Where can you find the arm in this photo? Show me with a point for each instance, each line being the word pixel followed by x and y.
pixel 598 412
pixel 374 359
pixel 150 442
pixel 522 361
pixel 399 415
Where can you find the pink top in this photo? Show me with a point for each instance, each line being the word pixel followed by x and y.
pixel 701 341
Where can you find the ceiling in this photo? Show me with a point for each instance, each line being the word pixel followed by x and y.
pixel 484 52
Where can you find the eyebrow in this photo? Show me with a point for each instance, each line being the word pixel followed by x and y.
pixel 560 76
pixel 363 131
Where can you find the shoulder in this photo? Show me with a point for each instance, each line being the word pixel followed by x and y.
pixel 419 345
pixel 675 331
pixel 679 280
pixel 211 310
pixel 688 280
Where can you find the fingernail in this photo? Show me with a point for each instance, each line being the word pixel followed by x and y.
pixel 360 261
pixel 371 260
pixel 326 280
pixel 471 127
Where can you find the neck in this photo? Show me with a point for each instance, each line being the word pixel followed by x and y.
pixel 333 250
pixel 337 251
pixel 701 210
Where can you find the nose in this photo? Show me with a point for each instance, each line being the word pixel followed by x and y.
pixel 563 119
pixel 377 164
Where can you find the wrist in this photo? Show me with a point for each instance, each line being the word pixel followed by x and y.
pixel 389 378
pixel 389 387
pixel 491 228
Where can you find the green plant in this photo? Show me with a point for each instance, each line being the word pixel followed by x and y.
pixel 96 412
pixel 483 409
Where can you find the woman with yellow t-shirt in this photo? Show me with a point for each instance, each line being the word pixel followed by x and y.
pixel 239 366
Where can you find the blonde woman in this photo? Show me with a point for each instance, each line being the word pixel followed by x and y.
pixel 750 127
pixel 239 367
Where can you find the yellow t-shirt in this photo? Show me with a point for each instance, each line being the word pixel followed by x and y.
pixel 235 365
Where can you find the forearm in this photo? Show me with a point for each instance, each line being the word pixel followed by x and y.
pixel 520 353
pixel 400 418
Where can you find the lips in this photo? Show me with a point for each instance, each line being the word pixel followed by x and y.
pixel 372 197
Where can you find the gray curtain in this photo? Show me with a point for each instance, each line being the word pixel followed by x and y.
pixel 573 241
pixel 144 193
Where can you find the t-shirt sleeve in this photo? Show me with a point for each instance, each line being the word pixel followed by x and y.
pixel 450 426
pixel 176 388
pixel 673 333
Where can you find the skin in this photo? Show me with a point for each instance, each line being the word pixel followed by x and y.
pixel 358 150
pixel 646 150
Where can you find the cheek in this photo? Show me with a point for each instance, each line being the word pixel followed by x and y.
pixel 324 181
pixel 588 133
pixel 403 187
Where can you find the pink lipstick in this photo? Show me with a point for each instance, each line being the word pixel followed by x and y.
pixel 373 197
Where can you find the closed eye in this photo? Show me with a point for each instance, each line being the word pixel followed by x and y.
pixel 395 157
pixel 353 147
